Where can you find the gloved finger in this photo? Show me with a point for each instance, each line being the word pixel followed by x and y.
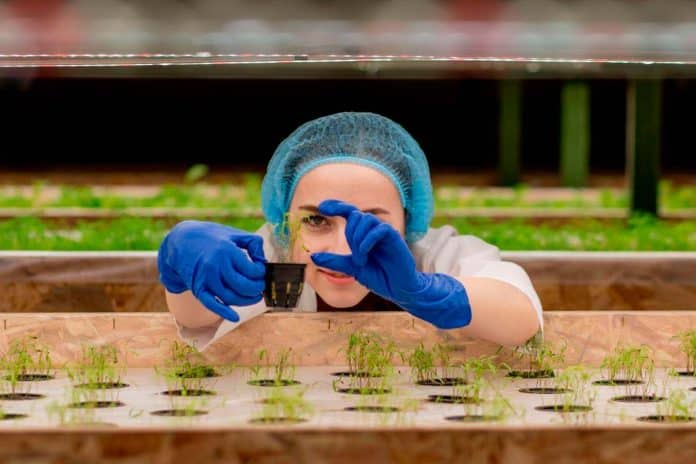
pixel 367 223
pixel 254 246
pixel 230 296
pixel 352 222
pixel 338 263
pixel 234 279
pixel 336 208
pixel 243 264
pixel 374 236
pixel 210 302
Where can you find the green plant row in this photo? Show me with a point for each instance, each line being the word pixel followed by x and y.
pixel 95 378
pixel 640 233
pixel 229 197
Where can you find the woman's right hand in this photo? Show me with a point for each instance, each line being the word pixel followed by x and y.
pixel 222 266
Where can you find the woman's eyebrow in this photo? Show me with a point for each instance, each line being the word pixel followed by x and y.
pixel 310 208
pixel 315 209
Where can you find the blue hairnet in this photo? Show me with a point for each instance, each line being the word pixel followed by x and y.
pixel 363 138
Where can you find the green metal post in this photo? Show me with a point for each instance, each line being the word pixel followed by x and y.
pixel 643 126
pixel 575 133
pixel 510 131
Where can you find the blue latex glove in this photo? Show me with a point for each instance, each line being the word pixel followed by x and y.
pixel 381 261
pixel 210 260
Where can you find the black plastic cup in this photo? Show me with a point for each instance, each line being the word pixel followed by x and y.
pixel 284 283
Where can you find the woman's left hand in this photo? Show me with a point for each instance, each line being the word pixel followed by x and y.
pixel 381 261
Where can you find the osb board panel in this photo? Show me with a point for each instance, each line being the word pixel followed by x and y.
pixel 79 282
pixel 278 446
pixel 317 338
pixel 128 282
pixel 30 297
pixel 614 281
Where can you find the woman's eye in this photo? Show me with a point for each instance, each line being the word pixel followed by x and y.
pixel 315 220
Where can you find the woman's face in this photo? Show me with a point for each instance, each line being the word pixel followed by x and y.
pixel 366 188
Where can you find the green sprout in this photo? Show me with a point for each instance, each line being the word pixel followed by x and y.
pixel 25 360
pixel 282 405
pixel 471 387
pixel 422 364
pixel 267 372
pixel 186 371
pixel 98 367
pixel 476 368
pixel 82 397
pixel 485 402
pixel 540 358
pixel 65 415
pixel 80 405
pixel 369 360
pixel 573 381
pixel 687 343
pixel 443 354
pixel 187 375
pixel 677 408
pixel 632 366
pixel 290 235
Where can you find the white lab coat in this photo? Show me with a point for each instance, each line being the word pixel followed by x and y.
pixel 441 250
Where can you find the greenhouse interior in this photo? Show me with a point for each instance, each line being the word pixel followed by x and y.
pixel 318 231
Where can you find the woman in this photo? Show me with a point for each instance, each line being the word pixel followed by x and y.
pixel 361 185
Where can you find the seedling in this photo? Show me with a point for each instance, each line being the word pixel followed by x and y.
pixel 80 404
pixel 540 358
pixel 633 367
pixel 469 388
pixel 687 343
pixel 443 354
pixel 186 371
pixel 187 376
pixel 574 380
pixel 267 373
pixel 94 398
pixel 64 415
pixel 98 368
pixel 422 364
pixel 433 367
pixel 476 368
pixel 289 232
pixel 487 404
pixel 576 396
pixel 283 406
pixel 369 360
pixel 677 408
pixel 26 360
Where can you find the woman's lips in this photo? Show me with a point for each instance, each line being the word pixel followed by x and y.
pixel 336 277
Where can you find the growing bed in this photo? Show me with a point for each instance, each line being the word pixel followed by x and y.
pixel 222 424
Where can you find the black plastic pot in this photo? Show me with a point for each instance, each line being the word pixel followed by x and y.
pixel 284 283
